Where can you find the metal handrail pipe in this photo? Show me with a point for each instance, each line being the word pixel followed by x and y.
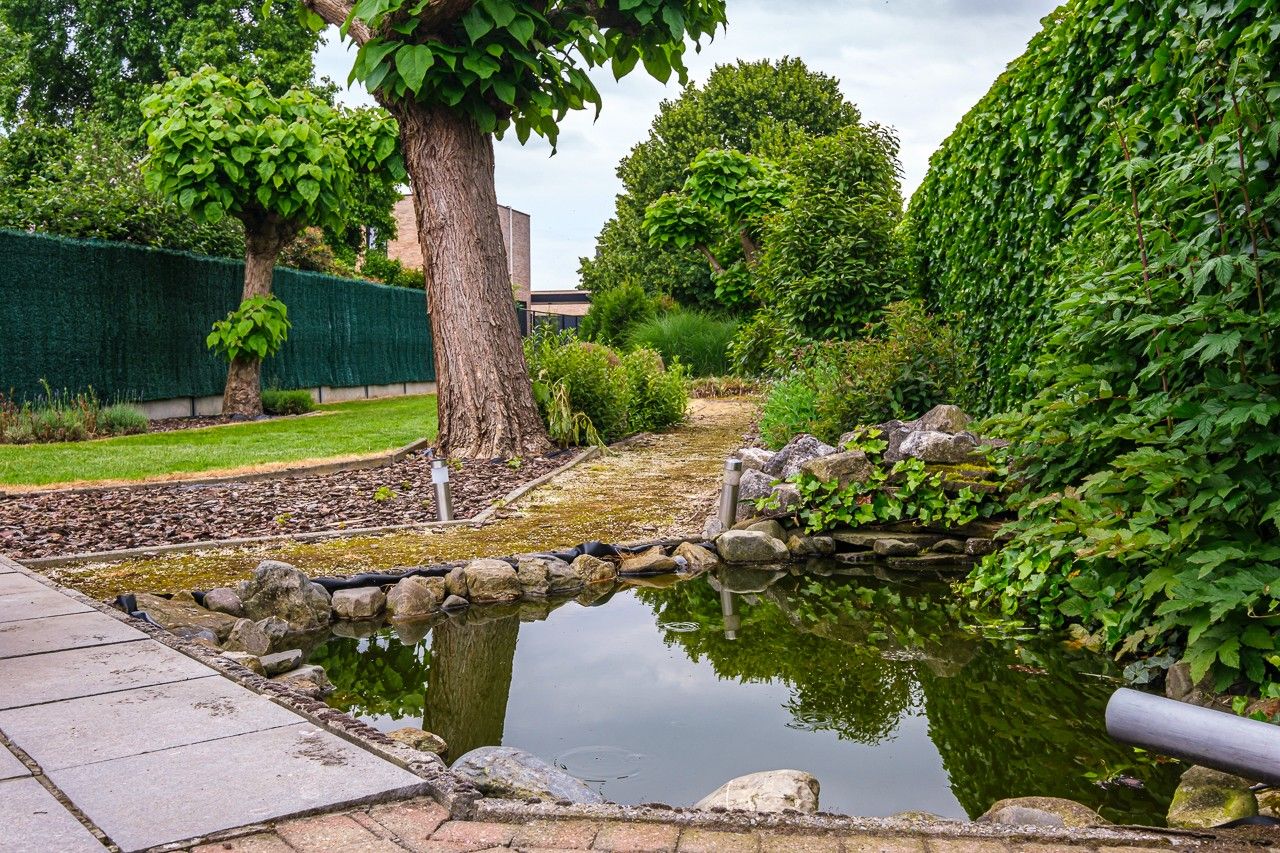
pixel 1203 736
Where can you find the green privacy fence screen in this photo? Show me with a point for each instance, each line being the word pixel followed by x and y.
pixel 130 322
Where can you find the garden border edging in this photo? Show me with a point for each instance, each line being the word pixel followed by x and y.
pixel 480 518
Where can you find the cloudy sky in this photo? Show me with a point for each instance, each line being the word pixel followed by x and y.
pixel 917 65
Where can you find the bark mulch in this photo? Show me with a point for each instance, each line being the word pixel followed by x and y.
pixel 56 524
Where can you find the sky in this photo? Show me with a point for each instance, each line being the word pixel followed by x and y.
pixel 917 65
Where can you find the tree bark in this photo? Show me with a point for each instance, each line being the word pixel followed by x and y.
pixel 485 399
pixel 264 237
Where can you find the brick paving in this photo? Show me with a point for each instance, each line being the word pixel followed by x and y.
pixel 422 826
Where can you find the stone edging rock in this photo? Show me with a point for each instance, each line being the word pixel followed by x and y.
pixel 481 517
pixel 358 463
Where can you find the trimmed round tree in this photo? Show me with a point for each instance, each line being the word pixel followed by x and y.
pixel 278 164
pixel 454 73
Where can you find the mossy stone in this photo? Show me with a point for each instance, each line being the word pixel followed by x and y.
pixel 1207 798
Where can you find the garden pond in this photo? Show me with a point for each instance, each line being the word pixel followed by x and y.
pixel 894 695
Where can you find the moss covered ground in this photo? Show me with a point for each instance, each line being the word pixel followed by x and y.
pixel 650 487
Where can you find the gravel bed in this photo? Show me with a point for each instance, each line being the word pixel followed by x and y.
pixel 55 524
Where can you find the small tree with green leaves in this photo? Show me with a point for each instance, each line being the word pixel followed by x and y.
pixel 221 148
pixel 454 73
pixel 720 212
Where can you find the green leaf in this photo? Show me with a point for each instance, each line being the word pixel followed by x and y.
pixel 412 62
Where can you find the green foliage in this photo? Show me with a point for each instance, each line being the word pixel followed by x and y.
pixel 614 312
pixel 84 182
pixel 831 256
pixel 69 58
pixel 60 416
pixel 378 267
pixel 222 147
pixel 750 107
pixel 122 419
pixel 588 394
pixel 698 339
pixel 994 206
pixel 255 330
pixel 657 394
pixel 760 347
pixel 1150 505
pixel 276 402
pixel 902 367
pixel 507 64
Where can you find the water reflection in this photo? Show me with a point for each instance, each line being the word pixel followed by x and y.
pixel 885 691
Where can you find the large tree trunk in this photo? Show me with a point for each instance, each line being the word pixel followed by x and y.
pixel 264 237
pixel 485 399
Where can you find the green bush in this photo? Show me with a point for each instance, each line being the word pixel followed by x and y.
pixel 614 312
pixel 588 393
pixel 699 340
pixel 902 368
pixel 299 402
pixel 658 395
pixel 376 266
pixel 121 419
pixel 987 219
pixel 1150 511
pixel 759 347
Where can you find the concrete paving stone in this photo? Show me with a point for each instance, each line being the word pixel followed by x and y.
pixel 876 844
pixel 55 633
pixel 262 842
pixel 772 843
pixel 413 822
pixel 130 722
pixel 87 672
pixel 476 834
pixel 6 566
pixel 10 766
pixel 695 840
pixel 637 837
pixel 188 791
pixel 34 822
pixel 22 597
pixel 556 834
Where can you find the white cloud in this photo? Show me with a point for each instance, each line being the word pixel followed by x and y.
pixel 917 65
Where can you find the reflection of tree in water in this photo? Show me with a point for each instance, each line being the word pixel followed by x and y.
pixel 1004 731
pixel 469 681
pixel 1007 719
pixel 375 677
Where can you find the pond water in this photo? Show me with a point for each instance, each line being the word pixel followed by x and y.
pixel 895 697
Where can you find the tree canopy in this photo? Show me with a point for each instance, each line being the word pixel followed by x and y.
pixel 750 107
pixel 67 58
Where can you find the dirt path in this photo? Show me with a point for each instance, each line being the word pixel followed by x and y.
pixel 654 486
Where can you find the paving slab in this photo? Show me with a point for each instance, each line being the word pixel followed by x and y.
pixel 69 631
pixel 22 597
pixel 187 791
pixel 10 766
pixel 55 676
pixel 34 822
pixel 131 722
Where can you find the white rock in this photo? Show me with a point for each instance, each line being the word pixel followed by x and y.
pixel 768 791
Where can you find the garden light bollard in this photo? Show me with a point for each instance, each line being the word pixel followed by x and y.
pixel 444 498
pixel 729 493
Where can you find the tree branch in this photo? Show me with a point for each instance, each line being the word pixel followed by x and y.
pixel 336 13
pixel 711 259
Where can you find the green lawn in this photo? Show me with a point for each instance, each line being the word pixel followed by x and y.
pixel 346 429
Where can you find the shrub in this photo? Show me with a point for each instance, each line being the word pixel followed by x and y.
pixel 591 381
pixel 587 393
pixel 657 395
pixel 255 330
pixel 122 419
pixel 275 402
pixel 699 340
pixel 903 367
pixel 759 347
pixel 614 312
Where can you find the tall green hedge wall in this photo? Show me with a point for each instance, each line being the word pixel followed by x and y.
pixel 998 194
pixel 131 322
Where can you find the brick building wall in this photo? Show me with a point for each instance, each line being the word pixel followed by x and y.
pixel 515 236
